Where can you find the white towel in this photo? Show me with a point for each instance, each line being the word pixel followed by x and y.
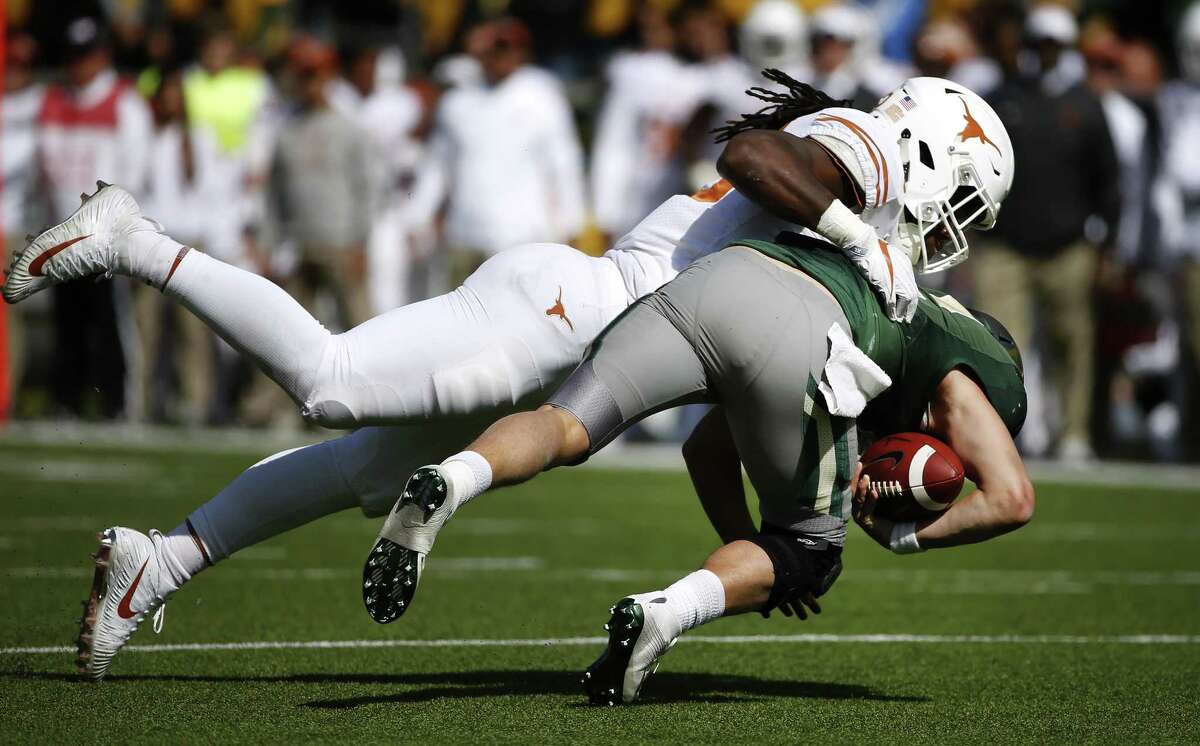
pixel 850 379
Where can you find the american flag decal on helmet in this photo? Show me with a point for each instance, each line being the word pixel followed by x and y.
pixel 908 103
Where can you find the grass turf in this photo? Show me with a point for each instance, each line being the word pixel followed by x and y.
pixel 545 561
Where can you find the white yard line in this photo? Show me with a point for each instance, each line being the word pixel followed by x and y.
pixel 873 639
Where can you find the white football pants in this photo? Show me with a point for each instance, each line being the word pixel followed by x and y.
pixel 442 370
pixel 514 328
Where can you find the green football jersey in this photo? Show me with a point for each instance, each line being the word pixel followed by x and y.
pixel 917 355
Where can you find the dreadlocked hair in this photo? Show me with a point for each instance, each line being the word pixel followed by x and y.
pixel 800 99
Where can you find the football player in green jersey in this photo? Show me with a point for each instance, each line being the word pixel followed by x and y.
pixel 754 329
pixel 797 352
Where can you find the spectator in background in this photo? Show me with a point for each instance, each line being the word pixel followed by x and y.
pixel 373 95
pixel 187 192
pixel 636 159
pixel 946 49
pixel 706 41
pixel 878 73
pixel 1139 334
pixel 504 157
pixel 19 110
pixel 774 34
pixel 319 195
pixel 235 105
pixel 1180 112
pixel 238 108
pixel 226 98
pixel 835 29
pixel 1064 203
pixel 1130 130
pixel 95 126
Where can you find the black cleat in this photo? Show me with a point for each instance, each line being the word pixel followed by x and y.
pixel 604 680
pixel 392 572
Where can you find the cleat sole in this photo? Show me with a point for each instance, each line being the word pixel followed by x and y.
pixel 91 607
pixel 391 573
pixel 604 680
pixel 391 586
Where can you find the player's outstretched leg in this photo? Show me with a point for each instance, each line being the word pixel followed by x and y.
pixel 108 235
pixel 512 450
pixel 521 321
pixel 279 493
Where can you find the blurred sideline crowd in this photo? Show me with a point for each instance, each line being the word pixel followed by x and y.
pixel 368 155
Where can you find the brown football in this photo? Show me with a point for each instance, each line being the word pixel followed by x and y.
pixel 917 476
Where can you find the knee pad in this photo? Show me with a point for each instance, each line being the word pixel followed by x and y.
pixel 802 564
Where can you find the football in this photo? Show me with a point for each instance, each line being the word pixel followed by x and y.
pixel 918 476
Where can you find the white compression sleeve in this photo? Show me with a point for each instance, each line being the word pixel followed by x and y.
pixel 275 495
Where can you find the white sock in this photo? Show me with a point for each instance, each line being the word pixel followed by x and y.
pixel 277 494
pixel 696 599
pixel 183 553
pixel 469 475
pixel 148 254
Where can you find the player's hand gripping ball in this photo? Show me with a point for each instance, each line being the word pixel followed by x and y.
pixel 917 476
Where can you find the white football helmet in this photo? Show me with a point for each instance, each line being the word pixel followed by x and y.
pixel 1188 43
pixel 958 167
pixel 775 35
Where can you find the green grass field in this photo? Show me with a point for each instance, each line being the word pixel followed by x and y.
pixel 1047 613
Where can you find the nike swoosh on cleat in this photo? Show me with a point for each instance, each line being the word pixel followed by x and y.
pixel 35 267
pixel 123 609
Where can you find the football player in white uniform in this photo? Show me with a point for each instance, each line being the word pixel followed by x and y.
pixel 421 379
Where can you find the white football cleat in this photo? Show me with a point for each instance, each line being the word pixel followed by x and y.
pixel 394 566
pixel 640 632
pixel 83 245
pixel 130 582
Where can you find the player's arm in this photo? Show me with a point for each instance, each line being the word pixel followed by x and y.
pixel 1004 499
pixel 798 180
pixel 791 177
pixel 716 471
